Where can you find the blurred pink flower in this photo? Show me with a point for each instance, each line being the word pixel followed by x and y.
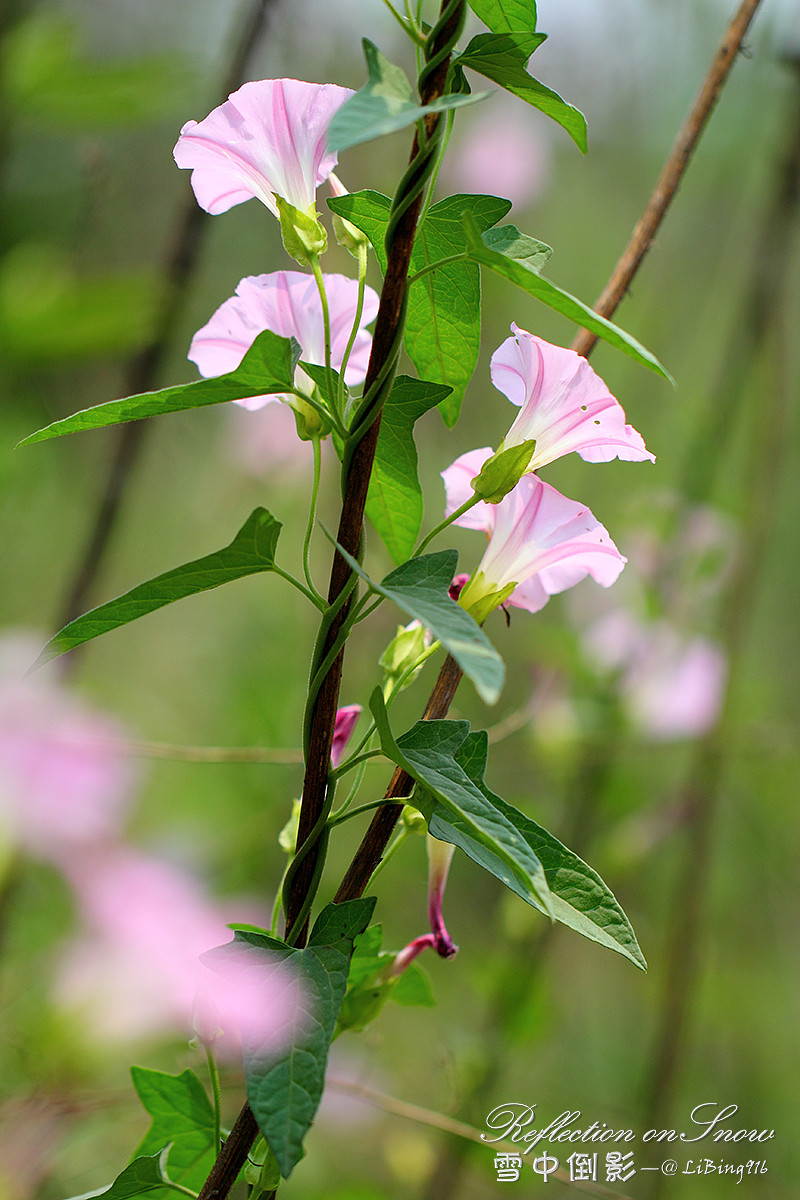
pixel 343 727
pixel 504 152
pixel 672 685
pixel 266 443
pixel 268 139
pixel 288 303
pixel 138 970
pixel 63 782
pixel 540 542
pixel 676 687
pixel 563 404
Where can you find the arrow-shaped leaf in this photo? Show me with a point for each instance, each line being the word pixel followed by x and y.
pixel 394 500
pixel 251 551
pixel 385 104
pixel 443 322
pixel 420 588
pixel 579 897
pixel 555 298
pixel 266 369
pixel 502 57
pixel 503 16
pixel 284 1091
pixel 428 753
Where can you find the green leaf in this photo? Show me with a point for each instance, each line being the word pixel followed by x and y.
pixel 368 211
pixel 420 588
pixel 284 1091
pixel 385 104
pixel 579 897
pixel 342 922
pixel 559 300
pixel 428 753
pixel 266 369
pixel 443 323
pixel 183 1116
pixel 502 57
pixel 142 1176
pixel 251 551
pixel 508 240
pixel 414 988
pixel 504 16
pixel 394 499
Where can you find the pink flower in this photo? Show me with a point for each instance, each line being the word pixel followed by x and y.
pixel 138 970
pixel 268 139
pixel 343 727
pixel 502 152
pixel 540 542
pixel 63 782
pixel 288 303
pixel 563 404
pixel 672 685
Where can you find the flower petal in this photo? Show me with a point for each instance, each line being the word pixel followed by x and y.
pixel 563 404
pixel 267 139
pixel 288 303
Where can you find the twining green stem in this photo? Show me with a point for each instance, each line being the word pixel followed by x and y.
pixel 437 529
pixel 312 512
pixel 443 143
pixel 216 1094
pixel 314 596
pixel 326 324
pixel 354 812
pixel 354 761
pixel 441 262
pixel 401 836
pixel 362 284
pixel 408 27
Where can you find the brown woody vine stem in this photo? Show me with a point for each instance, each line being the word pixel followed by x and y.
pixel 672 173
pixel 234 1151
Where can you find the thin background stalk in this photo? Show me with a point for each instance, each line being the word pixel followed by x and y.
pixel 702 793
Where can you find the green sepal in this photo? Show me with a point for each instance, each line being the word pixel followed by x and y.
pixel 304 238
pixel 502 472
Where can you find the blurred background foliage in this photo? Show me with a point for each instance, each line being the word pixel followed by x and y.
pixel 698 835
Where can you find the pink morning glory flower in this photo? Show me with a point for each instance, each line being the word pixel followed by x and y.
pixel 288 303
pixel 540 542
pixel 268 139
pixel 563 404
